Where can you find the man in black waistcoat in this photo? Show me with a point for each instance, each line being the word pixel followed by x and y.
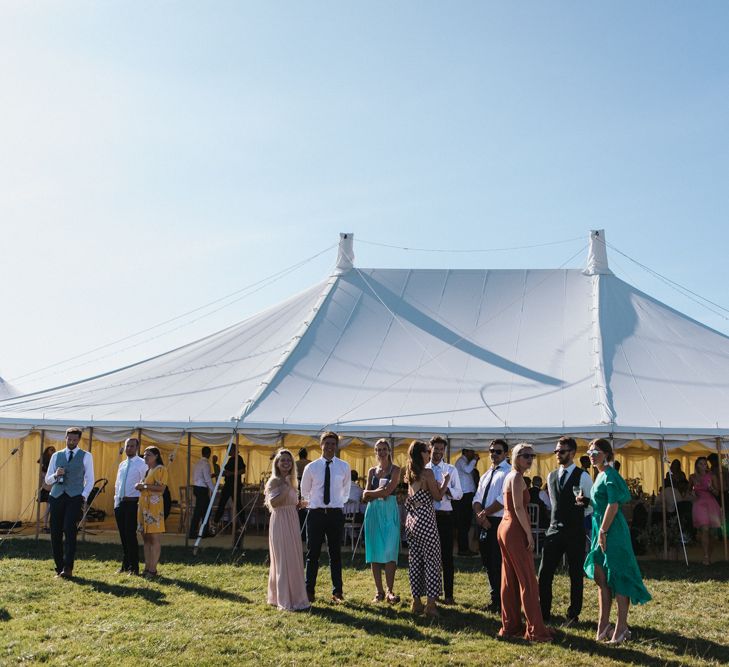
pixel 566 532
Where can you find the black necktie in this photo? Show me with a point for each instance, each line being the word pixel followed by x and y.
pixel 562 478
pixel 70 455
pixel 486 490
pixel 327 484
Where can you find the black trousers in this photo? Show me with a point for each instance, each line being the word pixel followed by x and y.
pixel 444 521
pixel 126 522
pixel 463 513
pixel 202 500
pixel 225 495
pixel 322 524
pixel 488 546
pixel 555 546
pixel 65 514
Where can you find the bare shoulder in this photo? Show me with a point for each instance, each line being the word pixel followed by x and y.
pixel 427 474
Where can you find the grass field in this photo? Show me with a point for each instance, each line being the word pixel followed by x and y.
pixel 211 610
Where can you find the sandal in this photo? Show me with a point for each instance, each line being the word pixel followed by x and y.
pixel 379 597
pixel 392 598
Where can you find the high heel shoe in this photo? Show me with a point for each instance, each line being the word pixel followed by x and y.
pixel 623 636
pixel 431 610
pixel 607 632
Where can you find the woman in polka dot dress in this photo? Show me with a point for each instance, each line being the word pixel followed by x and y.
pixel 421 530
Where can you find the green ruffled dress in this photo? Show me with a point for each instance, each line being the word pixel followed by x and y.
pixel 618 561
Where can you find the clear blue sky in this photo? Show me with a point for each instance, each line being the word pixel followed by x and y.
pixel 156 156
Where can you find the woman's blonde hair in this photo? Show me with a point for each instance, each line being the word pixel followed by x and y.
pixel 518 450
pixel 385 441
pixel 277 478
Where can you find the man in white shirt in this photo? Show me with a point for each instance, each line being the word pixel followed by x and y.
pixel 202 487
pixel 325 486
pixel 463 508
pixel 71 477
pixel 444 511
pixel 488 504
pixel 566 532
pixel 355 490
pixel 131 472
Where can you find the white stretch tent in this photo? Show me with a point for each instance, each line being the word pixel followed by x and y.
pixel 7 390
pixel 472 354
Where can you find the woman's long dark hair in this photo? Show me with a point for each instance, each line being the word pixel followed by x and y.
pixel 47 453
pixel 156 452
pixel 415 461
pixel 605 447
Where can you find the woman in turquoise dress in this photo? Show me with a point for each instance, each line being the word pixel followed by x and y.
pixel 611 561
pixel 382 521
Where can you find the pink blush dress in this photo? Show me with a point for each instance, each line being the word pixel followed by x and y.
pixel 706 512
pixel 286 587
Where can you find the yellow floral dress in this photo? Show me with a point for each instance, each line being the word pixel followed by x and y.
pixel 151 514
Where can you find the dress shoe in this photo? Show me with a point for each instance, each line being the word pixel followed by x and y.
pixel 65 574
pixel 337 598
pixel 622 637
pixel 311 596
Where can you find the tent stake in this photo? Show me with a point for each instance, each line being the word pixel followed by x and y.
pixel 41 481
pixel 663 500
pixel 721 493
pixel 188 502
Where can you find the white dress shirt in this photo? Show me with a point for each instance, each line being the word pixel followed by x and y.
pixel 585 484
pixel 312 483
pixel 454 485
pixel 88 469
pixel 544 497
pixel 201 474
pixel 355 493
pixel 137 473
pixel 465 470
pixel 496 476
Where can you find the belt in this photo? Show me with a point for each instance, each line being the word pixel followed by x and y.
pixel 326 510
pixel 129 500
pixel 443 512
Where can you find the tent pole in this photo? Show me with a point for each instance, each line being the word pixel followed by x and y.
pixel 41 481
pixel 236 491
pixel 721 493
pixel 91 444
pixel 663 500
pixel 188 502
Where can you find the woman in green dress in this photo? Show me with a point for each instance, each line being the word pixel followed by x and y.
pixel 382 521
pixel 611 561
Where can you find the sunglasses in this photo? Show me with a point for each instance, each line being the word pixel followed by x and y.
pixel 593 452
pixel 498 452
pixel 561 451
pixel 527 456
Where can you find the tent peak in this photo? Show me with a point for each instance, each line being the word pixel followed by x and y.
pixel 597 261
pixel 345 257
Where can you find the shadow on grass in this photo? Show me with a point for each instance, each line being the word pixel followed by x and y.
pixel 205 591
pixel 149 594
pixel 677 571
pixel 375 624
pixel 631 653
pixel 4 615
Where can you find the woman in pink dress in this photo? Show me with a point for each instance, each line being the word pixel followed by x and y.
pixel 286 587
pixel 706 512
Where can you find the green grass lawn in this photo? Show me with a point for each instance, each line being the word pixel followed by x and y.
pixel 211 609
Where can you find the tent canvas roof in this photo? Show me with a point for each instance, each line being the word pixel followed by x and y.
pixel 469 352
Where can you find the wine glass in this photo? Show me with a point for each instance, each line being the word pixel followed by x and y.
pixel 577 491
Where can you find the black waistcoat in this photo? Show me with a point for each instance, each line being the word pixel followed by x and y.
pixel 566 516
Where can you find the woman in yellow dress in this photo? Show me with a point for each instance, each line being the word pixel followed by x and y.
pixel 151 514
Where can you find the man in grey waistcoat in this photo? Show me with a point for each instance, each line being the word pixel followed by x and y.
pixel 71 477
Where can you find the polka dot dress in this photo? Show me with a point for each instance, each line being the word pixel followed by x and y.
pixel 424 545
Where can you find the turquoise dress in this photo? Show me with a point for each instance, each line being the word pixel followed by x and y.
pixel 618 561
pixel 381 526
